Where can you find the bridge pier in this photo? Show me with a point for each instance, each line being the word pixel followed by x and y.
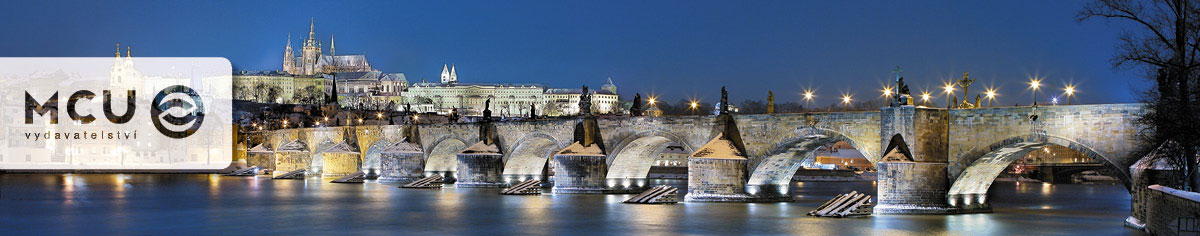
pixel 403 162
pixel 480 170
pixel 578 171
pixel 717 170
pixel 717 179
pixel 912 179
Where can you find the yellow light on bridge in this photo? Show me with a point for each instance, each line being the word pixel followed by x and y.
pixel 948 88
pixel 1035 83
pixel 991 95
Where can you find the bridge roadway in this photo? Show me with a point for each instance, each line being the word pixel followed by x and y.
pixel 969 146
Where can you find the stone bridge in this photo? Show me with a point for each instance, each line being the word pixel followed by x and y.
pixel 970 146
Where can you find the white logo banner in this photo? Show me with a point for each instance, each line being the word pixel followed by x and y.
pixel 115 113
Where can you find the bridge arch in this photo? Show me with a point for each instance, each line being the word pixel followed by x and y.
pixel 969 190
pixel 634 155
pixel 529 156
pixel 317 164
pixel 442 157
pixel 773 174
pixel 372 162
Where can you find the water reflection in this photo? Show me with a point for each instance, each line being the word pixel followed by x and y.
pixel 213 204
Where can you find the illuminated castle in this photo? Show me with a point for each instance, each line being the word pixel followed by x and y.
pixel 312 61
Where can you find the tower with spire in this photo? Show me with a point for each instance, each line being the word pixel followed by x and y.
pixel 289 57
pixel 311 50
pixel 449 76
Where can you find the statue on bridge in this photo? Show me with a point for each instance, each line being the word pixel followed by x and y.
pixel 770 102
pixel 724 109
pixel 487 110
pixel 903 95
pixel 636 108
pixel 585 102
pixel 487 131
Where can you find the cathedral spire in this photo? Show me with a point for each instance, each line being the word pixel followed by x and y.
pixel 312 33
pixel 128 52
pixel 118 53
pixel 453 75
pixel 445 73
pixel 331 50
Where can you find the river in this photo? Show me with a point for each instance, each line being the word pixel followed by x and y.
pixel 140 204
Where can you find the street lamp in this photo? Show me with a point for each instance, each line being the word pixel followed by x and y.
pixel 1070 92
pixel 808 97
pixel 693 105
pixel 845 101
pixel 991 95
pixel 887 94
pixel 949 90
pixel 1034 83
pixel 925 98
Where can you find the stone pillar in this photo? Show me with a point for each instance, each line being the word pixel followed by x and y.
pixel 912 176
pixel 717 171
pixel 403 167
pixel 480 170
pixel 340 164
pixel 912 188
pixel 265 161
pixel 1153 169
pixel 579 173
pixel 716 180
pixel 291 161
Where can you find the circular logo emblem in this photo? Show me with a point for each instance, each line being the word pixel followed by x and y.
pixel 190 103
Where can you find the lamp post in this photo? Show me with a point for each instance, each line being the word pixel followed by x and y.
pixel 887 94
pixel 949 90
pixel 1034 83
pixel 991 95
pixel 845 101
pixel 693 105
pixel 925 98
pixel 1070 92
pixel 808 97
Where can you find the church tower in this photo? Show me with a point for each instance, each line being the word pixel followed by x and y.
pixel 289 57
pixel 453 75
pixel 310 51
pixel 445 74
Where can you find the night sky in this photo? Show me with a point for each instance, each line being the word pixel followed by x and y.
pixel 672 49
